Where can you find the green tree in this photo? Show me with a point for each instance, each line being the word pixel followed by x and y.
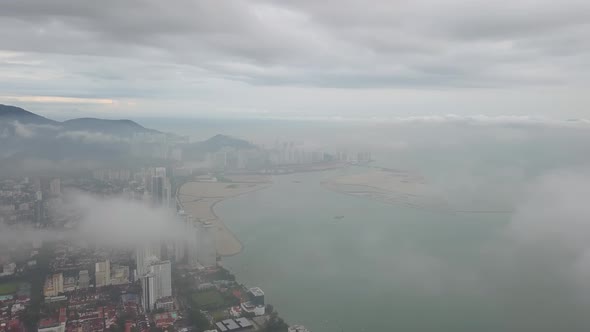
pixel 199 320
pixel 275 324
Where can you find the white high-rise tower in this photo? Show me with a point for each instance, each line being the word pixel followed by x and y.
pixel 156 283
pixel 144 255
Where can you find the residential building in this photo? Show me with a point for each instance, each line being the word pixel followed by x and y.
pixel 256 295
pixel 83 279
pixel 148 292
pixel 102 274
pixel 54 285
pixel 165 303
pixel 144 255
pixel 119 275
pixel 156 284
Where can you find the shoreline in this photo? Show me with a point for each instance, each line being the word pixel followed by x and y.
pixel 195 200
pixel 227 242
pixel 225 226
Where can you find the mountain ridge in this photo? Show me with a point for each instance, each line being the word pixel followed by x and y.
pixel 120 126
pixel 15 113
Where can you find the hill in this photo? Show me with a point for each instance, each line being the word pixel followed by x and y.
pixel 199 150
pixel 9 114
pixel 220 141
pixel 13 113
pixel 113 127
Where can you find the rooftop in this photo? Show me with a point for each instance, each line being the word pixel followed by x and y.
pixel 233 324
pixel 256 291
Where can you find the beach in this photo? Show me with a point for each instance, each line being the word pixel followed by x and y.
pixel 199 199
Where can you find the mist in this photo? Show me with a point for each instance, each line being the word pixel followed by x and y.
pixel 509 252
pixel 107 222
pixel 409 166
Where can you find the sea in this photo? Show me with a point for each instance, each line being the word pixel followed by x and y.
pixel 336 262
pixel 379 268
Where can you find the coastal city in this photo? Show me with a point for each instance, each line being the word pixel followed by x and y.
pixel 55 280
pixel 294 166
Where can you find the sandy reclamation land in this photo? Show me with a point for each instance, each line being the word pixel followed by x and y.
pixel 199 198
pixel 390 186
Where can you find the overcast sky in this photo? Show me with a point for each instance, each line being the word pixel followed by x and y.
pixel 305 58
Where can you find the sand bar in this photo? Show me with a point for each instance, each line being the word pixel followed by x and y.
pixel 390 186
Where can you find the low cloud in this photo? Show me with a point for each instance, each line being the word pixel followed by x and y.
pixel 122 222
pixel 22 131
pixel 473 120
pixel 26 130
pixel 114 222
pixel 91 137
pixel 530 274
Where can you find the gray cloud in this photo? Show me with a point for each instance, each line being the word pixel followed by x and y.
pixel 190 51
pixel 22 131
pixel 335 43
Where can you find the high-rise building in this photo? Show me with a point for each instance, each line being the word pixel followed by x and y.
pixel 55 187
pixel 119 275
pixel 144 255
pixel 102 274
pixel 206 251
pixel 160 171
pixel 192 242
pixel 158 190
pixel 162 271
pixel 39 208
pixel 54 285
pixel 161 189
pixel 182 242
pixel 156 283
pixel 147 292
pixel 83 279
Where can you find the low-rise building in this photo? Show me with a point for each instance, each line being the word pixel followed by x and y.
pixel 165 303
pixel 238 324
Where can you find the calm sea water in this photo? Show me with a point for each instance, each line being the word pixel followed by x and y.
pixel 380 268
pixel 393 268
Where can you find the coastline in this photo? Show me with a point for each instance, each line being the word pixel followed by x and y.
pixel 197 200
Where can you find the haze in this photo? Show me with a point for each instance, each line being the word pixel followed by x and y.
pixel 364 165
